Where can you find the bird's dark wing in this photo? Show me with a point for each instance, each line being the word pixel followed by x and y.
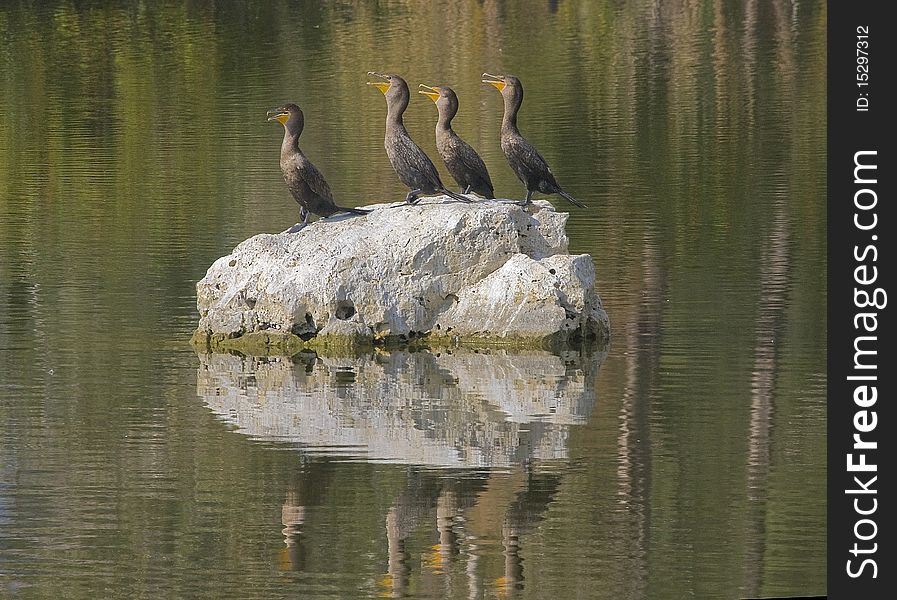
pixel 417 159
pixel 313 179
pixel 473 162
pixel 527 162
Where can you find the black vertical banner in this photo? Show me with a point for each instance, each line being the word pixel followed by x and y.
pixel 862 374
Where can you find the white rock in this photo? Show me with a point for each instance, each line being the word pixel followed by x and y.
pixel 488 270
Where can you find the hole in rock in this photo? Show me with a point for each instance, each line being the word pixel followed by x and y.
pixel 345 310
pixel 305 331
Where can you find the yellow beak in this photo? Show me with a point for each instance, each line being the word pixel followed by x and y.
pixel 433 92
pixel 380 85
pixel 494 80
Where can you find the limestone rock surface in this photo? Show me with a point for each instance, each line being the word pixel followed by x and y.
pixel 488 271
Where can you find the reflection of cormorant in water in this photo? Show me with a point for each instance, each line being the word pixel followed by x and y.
pixel 524 514
pixel 462 161
pixel 305 182
pixel 523 157
pixel 413 508
pixel 412 165
pixel 306 488
pixel 465 515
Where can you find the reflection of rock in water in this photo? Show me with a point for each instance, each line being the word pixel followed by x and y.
pixel 461 408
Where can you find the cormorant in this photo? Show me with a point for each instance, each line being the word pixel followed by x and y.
pixel 412 165
pixel 523 157
pixel 461 160
pixel 304 181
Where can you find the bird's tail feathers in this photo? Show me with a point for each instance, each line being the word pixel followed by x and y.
pixel 354 211
pixel 572 199
pixel 452 194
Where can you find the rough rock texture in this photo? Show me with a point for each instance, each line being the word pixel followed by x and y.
pixel 488 272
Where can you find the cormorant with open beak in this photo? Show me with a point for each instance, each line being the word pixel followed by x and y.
pixel 462 161
pixel 412 165
pixel 305 182
pixel 523 157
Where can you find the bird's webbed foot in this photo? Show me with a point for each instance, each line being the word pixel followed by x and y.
pixel 303 220
pixel 413 197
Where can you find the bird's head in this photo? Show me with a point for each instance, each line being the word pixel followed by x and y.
pixel 443 96
pixel 393 87
pixel 509 86
pixel 289 115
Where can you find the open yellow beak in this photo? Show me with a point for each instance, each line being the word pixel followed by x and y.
pixel 432 92
pixel 281 117
pixel 380 85
pixel 495 80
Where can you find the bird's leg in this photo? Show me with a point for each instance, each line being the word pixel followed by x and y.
pixel 303 221
pixel 527 200
pixel 413 197
pixel 467 191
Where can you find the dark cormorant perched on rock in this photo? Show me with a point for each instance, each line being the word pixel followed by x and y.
pixel 462 161
pixel 304 181
pixel 523 157
pixel 412 165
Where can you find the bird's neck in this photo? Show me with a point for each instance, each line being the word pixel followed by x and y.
pixel 394 112
pixel 290 143
pixel 444 124
pixel 394 123
pixel 509 120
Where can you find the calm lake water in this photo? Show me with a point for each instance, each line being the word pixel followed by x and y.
pixel 687 459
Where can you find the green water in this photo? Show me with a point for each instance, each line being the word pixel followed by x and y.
pixel 689 461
